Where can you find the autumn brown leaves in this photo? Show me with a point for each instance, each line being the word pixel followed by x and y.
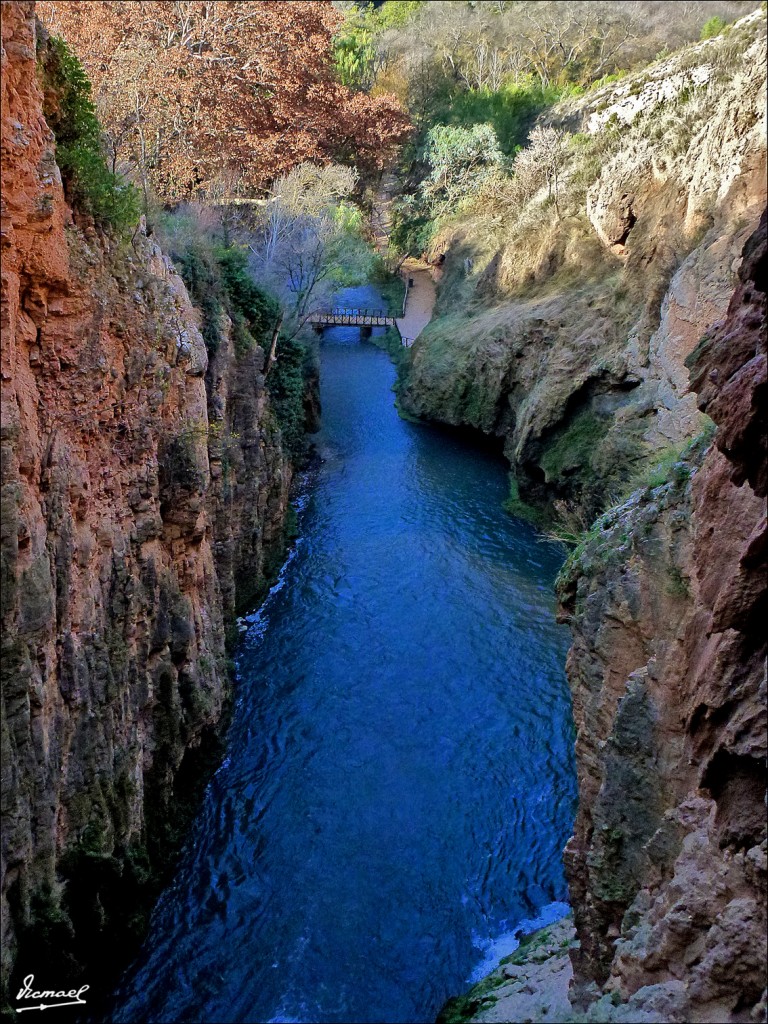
pixel 195 93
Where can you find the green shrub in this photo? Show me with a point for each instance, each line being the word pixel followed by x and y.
pixel 390 285
pixel 662 471
pixel 199 271
pixel 677 584
pixel 515 506
pixel 511 110
pixel 90 186
pixel 219 282
pixel 713 27
pixel 287 385
pixel 572 449
pixel 354 48
pixel 354 54
pixel 412 227
pixel 253 312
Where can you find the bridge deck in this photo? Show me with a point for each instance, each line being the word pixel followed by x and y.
pixel 353 318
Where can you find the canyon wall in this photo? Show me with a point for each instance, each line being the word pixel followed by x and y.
pixel 565 333
pixel 600 343
pixel 666 598
pixel 144 493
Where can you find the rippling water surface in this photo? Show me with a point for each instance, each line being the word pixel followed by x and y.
pixel 399 781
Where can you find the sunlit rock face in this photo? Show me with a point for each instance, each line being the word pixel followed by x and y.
pixel 667 865
pixel 130 530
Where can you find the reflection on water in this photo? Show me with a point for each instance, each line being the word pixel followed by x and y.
pixel 399 782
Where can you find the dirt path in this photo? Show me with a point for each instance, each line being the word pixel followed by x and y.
pixel 421 294
pixel 421 301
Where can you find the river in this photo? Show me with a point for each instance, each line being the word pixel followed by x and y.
pixel 399 780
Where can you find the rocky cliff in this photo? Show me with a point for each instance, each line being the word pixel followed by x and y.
pixel 667 601
pixel 139 508
pixel 600 341
pixel 564 331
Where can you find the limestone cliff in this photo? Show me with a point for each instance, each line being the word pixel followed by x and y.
pixel 133 522
pixel 565 331
pixel 600 341
pixel 667 601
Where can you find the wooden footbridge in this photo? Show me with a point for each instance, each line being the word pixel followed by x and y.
pixel 365 319
pixel 353 318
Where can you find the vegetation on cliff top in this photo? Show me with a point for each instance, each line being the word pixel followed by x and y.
pixel 229 93
pixel 492 68
pixel 69 110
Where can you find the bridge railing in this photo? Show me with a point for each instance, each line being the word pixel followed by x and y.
pixel 353 316
pixel 347 311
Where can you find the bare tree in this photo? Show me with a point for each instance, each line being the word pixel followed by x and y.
pixel 301 238
pixel 540 164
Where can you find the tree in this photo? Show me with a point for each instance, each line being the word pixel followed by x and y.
pixel 188 90
pixel 307 240
pixel 574 42
pixel 540 164
pixel 460 160
pixel 712 28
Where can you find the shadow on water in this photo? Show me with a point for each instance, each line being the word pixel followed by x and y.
pixel 399 780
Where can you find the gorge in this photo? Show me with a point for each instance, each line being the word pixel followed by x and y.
pixel 387 742
pixel 383 810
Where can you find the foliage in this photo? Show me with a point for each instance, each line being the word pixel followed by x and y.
pixel 432 54
pixel 677 584
pixel 571 450
pixel 198 268
pixel 389 284
pixel 189 92
pixel 460 162
pixel 460 159
pixel 713 27
pixel 219 283
pixel 674 464
pixel 396 13
pixel 461 116
pixel 254 313
pixel 412 225
pixel 287 384
pixel 510 109
pixel 179 463
pixel 355 53
pixel 515 506
pixel 307 240
pixel 71 115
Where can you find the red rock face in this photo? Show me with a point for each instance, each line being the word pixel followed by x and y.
pixel 667 864
pixel 113 621
pixel 728 372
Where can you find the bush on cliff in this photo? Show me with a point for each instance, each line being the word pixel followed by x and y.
pixel 219 283
pixel 713 27
pixel 287 386
pixel 89 184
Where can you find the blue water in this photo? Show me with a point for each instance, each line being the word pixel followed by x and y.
pixel 399 780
